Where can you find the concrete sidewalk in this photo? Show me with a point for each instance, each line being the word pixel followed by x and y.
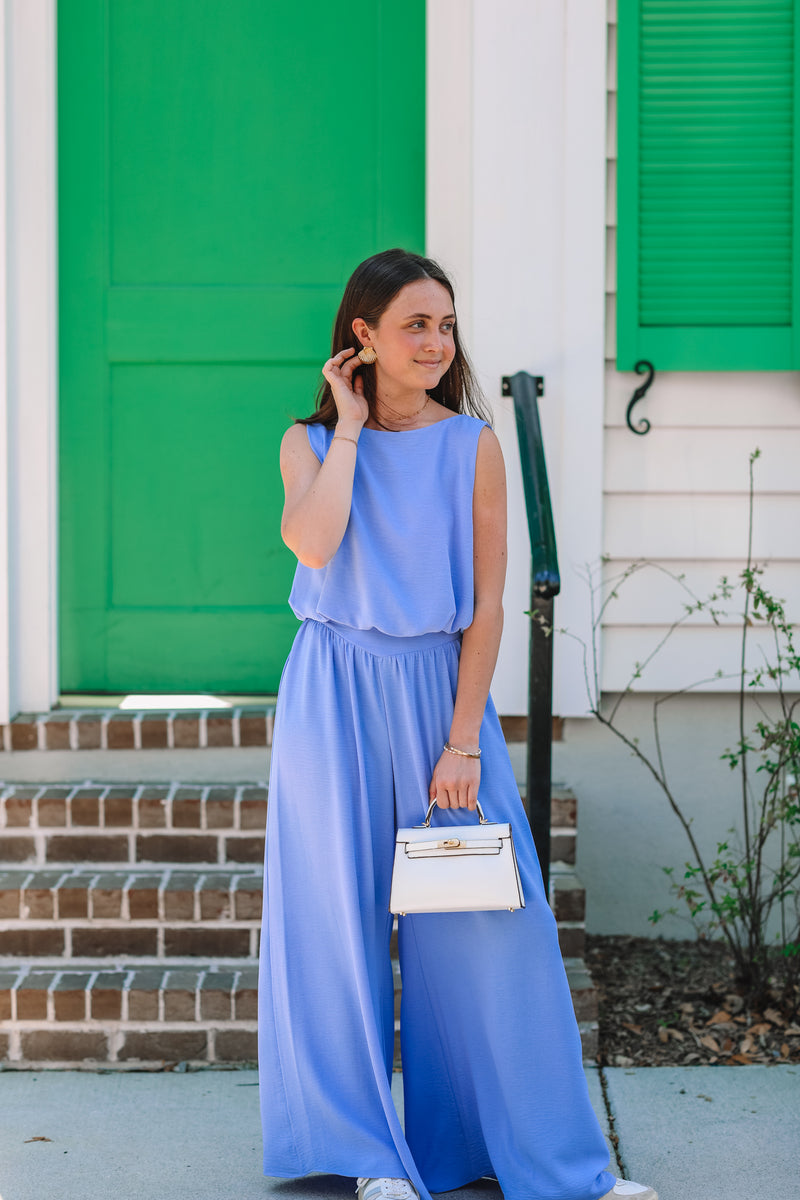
pixel 694 1133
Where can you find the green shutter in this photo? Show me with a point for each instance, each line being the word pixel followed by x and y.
pixel 707 257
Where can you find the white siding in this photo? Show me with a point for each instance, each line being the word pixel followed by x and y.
pixel 679 494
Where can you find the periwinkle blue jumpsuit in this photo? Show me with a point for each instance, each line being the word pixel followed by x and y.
pixel 492 1070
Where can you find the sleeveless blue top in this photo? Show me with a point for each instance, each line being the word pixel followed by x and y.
pixel 404 565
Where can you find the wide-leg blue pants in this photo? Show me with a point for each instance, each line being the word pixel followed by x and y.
pixel 492 1070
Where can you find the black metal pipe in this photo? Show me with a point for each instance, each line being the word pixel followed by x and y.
pixel 540 729
pixel 545 584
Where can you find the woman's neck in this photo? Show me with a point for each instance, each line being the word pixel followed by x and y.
pixel 398 399
pixel 400 409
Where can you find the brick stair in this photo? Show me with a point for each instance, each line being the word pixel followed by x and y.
pixel 129 921
pixel 130 914
pixel 129 729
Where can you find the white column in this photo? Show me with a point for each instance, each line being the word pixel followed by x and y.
pixel 5 630
pixel 516 209
pixel 29 453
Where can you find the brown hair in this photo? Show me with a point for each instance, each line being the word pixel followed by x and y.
pixel 369 292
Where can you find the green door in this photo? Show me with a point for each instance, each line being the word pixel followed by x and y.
pixel 223 165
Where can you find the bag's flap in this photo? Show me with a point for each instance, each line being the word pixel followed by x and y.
pixel 493 834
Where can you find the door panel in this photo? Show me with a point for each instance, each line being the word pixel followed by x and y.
pixel 222 168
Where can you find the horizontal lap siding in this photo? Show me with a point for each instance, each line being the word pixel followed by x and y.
pixel 691 658
pixel 698 460
pixel 649 598
pixel 679 495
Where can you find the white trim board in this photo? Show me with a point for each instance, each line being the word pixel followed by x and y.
pixel 29 553
pixel 516 210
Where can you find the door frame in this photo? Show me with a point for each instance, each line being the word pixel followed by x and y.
pixel 29 338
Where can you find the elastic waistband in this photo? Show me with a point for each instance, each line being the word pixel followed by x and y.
pixel 378 642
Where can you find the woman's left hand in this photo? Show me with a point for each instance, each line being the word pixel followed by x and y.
pixel 455 781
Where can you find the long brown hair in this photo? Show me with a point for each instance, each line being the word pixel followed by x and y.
pixel 369 292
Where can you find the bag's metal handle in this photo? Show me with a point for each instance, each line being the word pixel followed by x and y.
pixel 426 824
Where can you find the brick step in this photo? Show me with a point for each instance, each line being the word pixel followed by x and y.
pixel 586 1005
pixel 173 805
pixel 132 823
pixel 165 822
pixel 563 823
pixel 150 1016
pixel 68 913
pixel 568 901
pixel 137 1016
pixel 129 729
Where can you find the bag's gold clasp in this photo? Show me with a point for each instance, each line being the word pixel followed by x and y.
pixel 449 844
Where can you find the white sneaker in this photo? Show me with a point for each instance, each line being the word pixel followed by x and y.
pixel 626 1187
pixel 386 1189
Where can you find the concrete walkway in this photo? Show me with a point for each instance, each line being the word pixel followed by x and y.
pixel 694 1133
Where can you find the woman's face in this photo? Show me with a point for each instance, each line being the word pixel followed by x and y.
pixel 414 339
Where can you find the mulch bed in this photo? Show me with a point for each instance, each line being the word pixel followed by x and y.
pixel 669 1003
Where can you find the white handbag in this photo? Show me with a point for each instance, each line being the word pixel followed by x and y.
pixel 455 868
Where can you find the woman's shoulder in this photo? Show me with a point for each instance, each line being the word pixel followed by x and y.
pixel 464 422
pixel 475 430
pixel 300 437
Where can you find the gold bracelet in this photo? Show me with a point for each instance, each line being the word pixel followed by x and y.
pixel 462 753
pixel 340 437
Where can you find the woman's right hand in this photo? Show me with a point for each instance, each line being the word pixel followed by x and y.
pixel 348 394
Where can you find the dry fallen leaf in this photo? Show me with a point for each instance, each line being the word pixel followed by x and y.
pixel 771 1014
pixel 785 1050
pixel 37 1139
pixel 755 1030
pixel 740 1058
pixel 663 1036
pixel 710 1043
pixel 719 1018
pixel 633 1028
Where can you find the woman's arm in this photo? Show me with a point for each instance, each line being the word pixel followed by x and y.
pixel 456 779
pixel 318 495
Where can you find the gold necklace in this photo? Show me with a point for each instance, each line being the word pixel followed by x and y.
pixel 396 416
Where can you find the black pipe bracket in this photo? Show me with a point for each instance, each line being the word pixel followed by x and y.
pixel 537 379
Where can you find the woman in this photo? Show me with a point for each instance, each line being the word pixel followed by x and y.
pixel 395 509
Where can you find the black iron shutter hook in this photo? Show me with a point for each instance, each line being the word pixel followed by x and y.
pixel 643 425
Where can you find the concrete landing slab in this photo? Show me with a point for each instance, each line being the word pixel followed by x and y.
pixel 147 1136
pixel 132 1136
pixel 709 1133
pixel 694 1133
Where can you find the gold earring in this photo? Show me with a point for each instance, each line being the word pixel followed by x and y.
pixel 367 355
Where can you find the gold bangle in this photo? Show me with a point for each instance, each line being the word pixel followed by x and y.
pixel 462 753
pixel 340 437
